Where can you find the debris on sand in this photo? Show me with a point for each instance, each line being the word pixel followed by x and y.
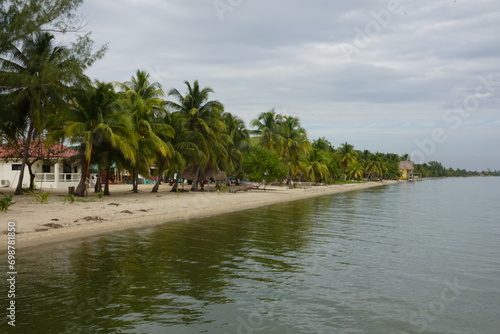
pixel 52 225
pixel 89 218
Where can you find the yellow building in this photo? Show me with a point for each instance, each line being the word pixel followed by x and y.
pixel 406 170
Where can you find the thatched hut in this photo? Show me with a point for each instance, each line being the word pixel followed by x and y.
pixel 204 174
pixel 406 169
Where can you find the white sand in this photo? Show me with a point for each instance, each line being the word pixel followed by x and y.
pixel 124 210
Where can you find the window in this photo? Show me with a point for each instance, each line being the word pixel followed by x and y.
pixel 16 166
pixel 45 168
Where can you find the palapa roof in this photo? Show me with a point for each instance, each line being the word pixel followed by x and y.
pixel 205 173
pixel 406 165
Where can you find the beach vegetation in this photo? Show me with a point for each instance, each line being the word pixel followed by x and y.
pixel 22 18
pixel 42 198
pixel 6 201
pixel 37 74
pixel 143 100
pixel 96 125
pixel 134 126
pixel 263 166
pixel 202 136
pixel 70 198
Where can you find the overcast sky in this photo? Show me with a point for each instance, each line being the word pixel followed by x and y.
pixel 417 77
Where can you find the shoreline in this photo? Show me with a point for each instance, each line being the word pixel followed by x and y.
pixel 60 221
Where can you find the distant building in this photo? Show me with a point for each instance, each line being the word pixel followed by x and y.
pixel 406 169
pixel 52 166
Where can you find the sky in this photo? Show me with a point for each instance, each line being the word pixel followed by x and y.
pixel 400 76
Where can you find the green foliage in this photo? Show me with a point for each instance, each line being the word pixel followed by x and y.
pixel 100 194
pixel 42 198
pixel 285 136
pixel 261 164
pixel 6 202
pixel 71 198
pixel 222 188
pixel 22 18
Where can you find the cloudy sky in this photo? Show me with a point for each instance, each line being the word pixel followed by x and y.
pixel 417 77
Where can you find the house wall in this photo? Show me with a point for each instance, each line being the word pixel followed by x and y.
pixel 43 181
pixel 9 175
pixel 404 174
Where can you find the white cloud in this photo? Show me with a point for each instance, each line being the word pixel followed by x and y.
pixel 286 54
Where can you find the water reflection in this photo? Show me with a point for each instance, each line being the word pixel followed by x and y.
pixel 314 266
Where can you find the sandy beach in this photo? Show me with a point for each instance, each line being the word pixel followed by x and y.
pixel 60 220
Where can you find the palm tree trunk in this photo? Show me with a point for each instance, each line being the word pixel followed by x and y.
pixel 175 186
pixel 158 182
pixel 82 186
pixel 19 188
pixel 106 182
pixel 195 181
pixel 135 182
pixel 32 176
pixel 156 187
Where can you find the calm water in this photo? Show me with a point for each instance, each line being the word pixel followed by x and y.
pixel 407 258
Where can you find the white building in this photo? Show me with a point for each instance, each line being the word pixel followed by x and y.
pixel 51 166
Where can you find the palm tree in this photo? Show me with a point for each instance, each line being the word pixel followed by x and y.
pixel 295 142
pixel 201 126
pixel 40 73
pixel 318 165
pixel 96 122
pixel 147 108
pixel 347 156
pixel 376 167
pixel 268 126
pixel 237 143
pixel 323 144
pixel 355 171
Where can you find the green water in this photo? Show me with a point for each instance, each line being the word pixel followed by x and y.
pixel 421 257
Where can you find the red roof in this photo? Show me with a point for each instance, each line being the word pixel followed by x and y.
pixel 37 149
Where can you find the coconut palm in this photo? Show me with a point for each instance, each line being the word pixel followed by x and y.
pixel 355 171
pixel 237 144
pixel 40 73
pixel 144 102
pixel 347 156
pixel 202 128
pixel 96 123
pixel 268 126
pixel 372 169
pixel 323 144
pixel 295 142
pixel 318 165
pixel 376 167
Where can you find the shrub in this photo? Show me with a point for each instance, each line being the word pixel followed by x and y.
pixel 42 198
pixel 6 202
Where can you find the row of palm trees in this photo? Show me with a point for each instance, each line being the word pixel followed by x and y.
pixel 318 161
pixel 135 124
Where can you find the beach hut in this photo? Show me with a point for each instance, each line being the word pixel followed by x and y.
pixel 406 169
pixel 205 173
